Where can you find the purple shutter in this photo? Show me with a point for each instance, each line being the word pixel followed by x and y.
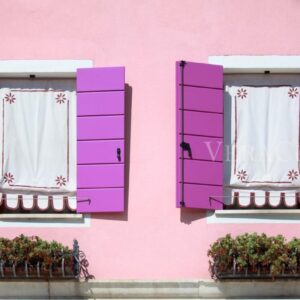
pixel 199 96
pixel 100 139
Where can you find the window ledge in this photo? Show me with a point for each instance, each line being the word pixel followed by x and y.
pixel 228 212
pixel 254 216
pixel 22 216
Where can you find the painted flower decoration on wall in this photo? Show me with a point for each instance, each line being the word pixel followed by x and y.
pixel 60 180
pixel 9 178
pixel 242 175
pixel 10 98
pixel 242 93
pixel 292 175
pixel 60 98
pixel 293 93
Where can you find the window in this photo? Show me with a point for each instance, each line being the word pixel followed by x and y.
pixel 51 130
pixel 264 137
pixel 38 145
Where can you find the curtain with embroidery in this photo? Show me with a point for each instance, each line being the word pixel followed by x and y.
pixel 38 141
pixel 265 136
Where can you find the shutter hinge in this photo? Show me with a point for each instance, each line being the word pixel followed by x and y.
pixel 182 63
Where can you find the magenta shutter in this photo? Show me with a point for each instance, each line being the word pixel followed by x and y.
pixel 100 139
pixel 199 96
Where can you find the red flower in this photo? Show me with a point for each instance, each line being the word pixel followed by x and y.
pixel 242 93
pixel 10 98
pixel 60 98
pixel 293 93
pixel 9 178
pixel 242 175
pixel 293 175
pixel 60 180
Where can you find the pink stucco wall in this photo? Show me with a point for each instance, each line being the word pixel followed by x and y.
pixel 153 240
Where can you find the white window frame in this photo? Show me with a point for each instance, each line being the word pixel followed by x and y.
pixel 42 68
pixel 56 69
pixel 247 64
pixel 257 64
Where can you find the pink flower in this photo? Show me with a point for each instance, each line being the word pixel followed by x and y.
pixel 60 180
pixel 9 178
pixel 293 175
pixel 10 98
pixel 242 93
pixel 60 98
pixel 293 93
pixel 242 175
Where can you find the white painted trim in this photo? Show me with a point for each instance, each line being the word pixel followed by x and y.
pixel 274 212
pixel 45 221
pixel 25 216
pixel 155 289
pixel 257 64
pixel 42 68
pixel 252 216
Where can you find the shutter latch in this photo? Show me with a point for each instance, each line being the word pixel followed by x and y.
pixel 119 154
pixel 186 147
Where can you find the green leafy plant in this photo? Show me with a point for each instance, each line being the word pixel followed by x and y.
pixel 254 254
pixel 33 250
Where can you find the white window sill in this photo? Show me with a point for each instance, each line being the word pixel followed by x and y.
pixel 22 216
pixel 45 220
pixel 253 216
pixel 229 212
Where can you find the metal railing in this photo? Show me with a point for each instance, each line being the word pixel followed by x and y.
pixel 72 268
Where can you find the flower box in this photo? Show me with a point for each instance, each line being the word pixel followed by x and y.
pixel 33 258
pixel 254 256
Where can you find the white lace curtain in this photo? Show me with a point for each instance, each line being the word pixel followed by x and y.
pixel 38 140
pixel 265 136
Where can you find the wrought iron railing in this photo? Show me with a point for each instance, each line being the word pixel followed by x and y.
pixel 76 268
pixel 259 273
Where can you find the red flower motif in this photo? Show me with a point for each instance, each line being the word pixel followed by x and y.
pixel 293 175
pixel 242 175
pixel 242 93
pixel 10 98
pixel 60 180
pixel 9 178
pixel 293 93
pixel 60 98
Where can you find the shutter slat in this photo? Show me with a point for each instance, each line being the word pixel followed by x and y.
pixel 100 127
pixel 203 172
pixel 204 148
pixel 203 75
pixel 100 103
pixel 200 165
pixel 203 99
pixel 100 152
pixel 100 200
pixel 192 192
pixel 100 79
pixel 110 175
pixel 100 140
pixel 205 124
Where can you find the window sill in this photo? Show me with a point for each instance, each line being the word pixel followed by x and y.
pixel 22 216
pixel 254 216
pixel 281 212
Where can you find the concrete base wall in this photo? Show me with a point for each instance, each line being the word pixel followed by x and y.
pixel 193 289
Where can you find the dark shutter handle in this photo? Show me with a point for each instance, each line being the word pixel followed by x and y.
pixel 119 154
pixel 186 147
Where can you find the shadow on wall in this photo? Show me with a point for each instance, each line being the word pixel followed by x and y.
pixel 123 216
pixel 189 215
